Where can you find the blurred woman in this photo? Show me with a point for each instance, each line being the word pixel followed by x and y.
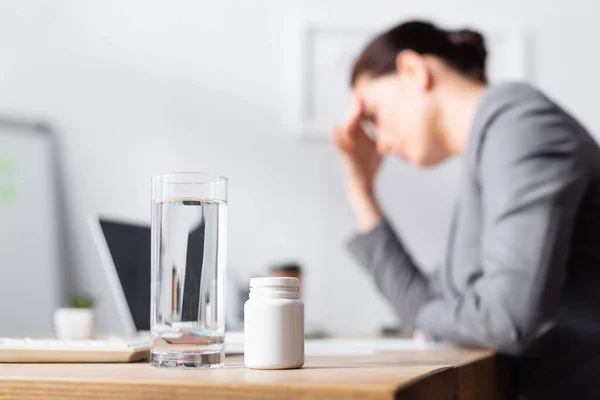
pixel 522 272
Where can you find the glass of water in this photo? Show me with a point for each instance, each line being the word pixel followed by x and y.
pixel 189 242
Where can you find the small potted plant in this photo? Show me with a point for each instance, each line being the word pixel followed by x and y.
pixel 77 320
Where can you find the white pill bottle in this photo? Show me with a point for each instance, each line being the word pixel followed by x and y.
pixel 274 324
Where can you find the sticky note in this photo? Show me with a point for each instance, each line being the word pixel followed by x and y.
pixel 8 194
pixel 7 165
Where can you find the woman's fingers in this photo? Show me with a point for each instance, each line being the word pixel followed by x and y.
pixel 349 134
pixel 346 133
pixel 342 140
pixel 355 113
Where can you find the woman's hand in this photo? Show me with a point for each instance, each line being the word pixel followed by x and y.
pixel 359 153
pixel 361 162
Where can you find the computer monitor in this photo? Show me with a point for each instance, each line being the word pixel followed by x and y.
pixel 124 249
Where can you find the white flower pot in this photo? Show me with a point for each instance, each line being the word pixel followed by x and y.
pixel 74 323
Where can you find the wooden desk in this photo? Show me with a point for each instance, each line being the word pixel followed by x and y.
pixel 431 374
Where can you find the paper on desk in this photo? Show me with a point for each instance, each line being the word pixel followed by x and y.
pixel 234 344
pixel 351 347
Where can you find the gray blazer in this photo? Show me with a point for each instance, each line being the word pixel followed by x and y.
pixel 522 272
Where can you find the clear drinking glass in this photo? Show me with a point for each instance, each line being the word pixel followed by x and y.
pixel 189 242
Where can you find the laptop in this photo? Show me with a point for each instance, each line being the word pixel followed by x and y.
pixel 124 250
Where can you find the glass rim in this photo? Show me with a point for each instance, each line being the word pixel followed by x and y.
pixel 165 177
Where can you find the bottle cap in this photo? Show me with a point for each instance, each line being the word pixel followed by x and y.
pixel 275 282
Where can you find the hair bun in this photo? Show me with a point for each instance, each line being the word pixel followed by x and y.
pixel 462 50
pixel 470 39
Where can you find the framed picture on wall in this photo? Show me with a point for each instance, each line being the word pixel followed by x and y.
pixel 321 50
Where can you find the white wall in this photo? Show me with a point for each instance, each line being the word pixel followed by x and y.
pixel 140 87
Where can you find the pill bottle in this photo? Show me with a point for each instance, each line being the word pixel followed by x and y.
pixel 274 324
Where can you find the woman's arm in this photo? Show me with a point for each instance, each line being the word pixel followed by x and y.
pixel 395 274
pixel 532 183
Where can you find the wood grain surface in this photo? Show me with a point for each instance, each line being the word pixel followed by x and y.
pixel 428 374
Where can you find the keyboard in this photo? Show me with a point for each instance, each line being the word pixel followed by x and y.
pixel 27 350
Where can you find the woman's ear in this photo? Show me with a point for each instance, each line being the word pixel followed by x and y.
pixel 414 66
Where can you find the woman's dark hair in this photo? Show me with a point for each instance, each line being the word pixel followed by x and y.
pixel 463 50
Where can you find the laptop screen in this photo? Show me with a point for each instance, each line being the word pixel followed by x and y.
pixel 129 246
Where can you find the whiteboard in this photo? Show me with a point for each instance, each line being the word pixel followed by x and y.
pixel 30 234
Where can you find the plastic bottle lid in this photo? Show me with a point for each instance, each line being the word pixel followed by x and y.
pixel 274 288
pixel 279 282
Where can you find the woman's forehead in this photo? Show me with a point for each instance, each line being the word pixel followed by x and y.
pixel 368 88
pixel 363 90
pixel 362 85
